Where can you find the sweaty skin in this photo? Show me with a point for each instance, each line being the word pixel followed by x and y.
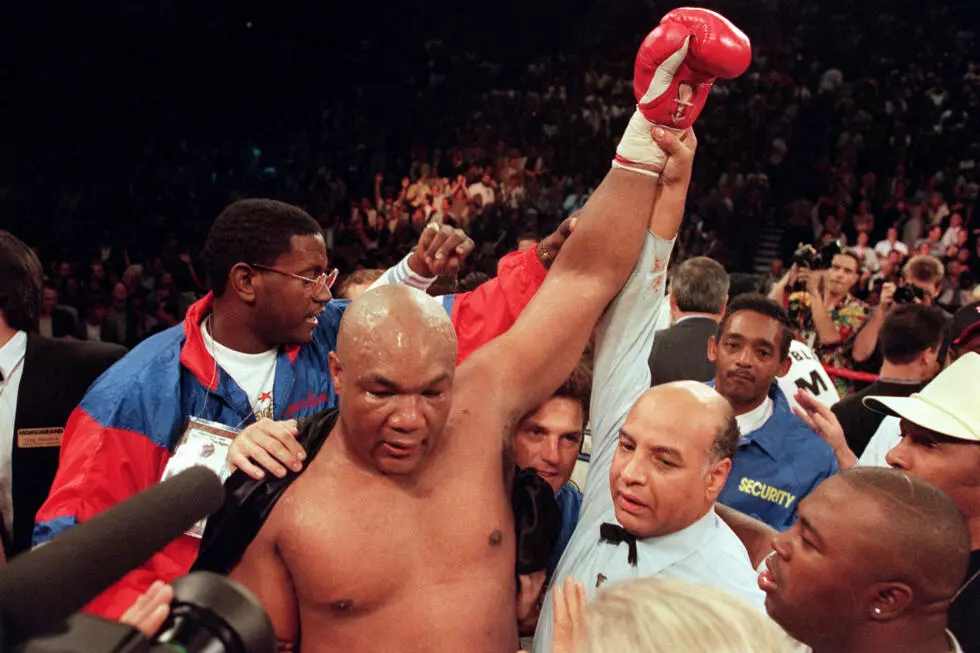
pixel 399 536
pixel 408 562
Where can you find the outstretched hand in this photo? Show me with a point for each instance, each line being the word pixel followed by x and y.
pixel 823 421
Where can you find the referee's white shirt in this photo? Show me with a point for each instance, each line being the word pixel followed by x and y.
pixel 706 552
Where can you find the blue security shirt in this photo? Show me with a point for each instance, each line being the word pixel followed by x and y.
pixel 777 465
pixel 569 500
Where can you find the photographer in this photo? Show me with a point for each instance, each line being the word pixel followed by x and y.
pixel 820 303
pixel 922 278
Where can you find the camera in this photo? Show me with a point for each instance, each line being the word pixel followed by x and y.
pixel 908 294
pixel 209 614
pixel 810 258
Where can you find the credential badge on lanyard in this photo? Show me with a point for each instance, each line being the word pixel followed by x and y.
pixel 206 444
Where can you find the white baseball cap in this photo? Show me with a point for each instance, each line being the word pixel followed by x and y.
pixel 949 404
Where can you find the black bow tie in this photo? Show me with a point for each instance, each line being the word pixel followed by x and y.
pixel 616 534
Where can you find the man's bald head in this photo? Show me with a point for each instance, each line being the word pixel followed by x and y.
pixel 921 534
pixel 704 409
pixel 394 318
pixel 673 458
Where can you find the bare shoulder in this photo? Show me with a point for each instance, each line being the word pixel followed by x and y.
pixel 264 573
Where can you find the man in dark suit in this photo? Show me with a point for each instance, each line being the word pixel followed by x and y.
pixel 698 297
pixel 41 382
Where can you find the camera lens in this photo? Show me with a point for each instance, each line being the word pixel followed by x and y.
pixel 212 614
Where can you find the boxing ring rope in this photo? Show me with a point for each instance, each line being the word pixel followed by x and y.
pixel 851 375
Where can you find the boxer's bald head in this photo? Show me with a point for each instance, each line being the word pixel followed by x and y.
pixel 674 455
pixel 393 369
pixel 872 545
pixel 401 316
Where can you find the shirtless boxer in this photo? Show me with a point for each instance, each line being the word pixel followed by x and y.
pixel 399 536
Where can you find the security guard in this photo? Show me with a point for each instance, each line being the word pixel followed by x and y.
pixel 780 459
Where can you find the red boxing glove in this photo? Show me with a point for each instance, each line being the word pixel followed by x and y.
pixel 675 67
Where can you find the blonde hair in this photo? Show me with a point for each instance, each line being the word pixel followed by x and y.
pixel 657 615
pixel 924 268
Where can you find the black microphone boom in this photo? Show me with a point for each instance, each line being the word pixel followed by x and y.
pixel 41 589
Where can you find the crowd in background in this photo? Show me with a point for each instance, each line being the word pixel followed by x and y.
pixel 836 131
pixel 855 153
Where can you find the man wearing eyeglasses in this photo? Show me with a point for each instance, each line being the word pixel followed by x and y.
pixel 256 347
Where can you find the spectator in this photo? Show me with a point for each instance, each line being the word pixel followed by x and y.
pixel 867 256
pixel 891 242
pixel 864 220
pixel 932 244
pixel 926 274
pixel 484 189
pixel 910 340
pixel 912 230
pixel 938 210
pixel 952 235
pixel 54 321
pixel 122 321
pixel 956 288
pixel 95 314
pixel 698 296
pixel 888 273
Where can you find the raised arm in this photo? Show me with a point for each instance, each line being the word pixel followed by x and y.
pixel 440 250
pixel 489 310
pixel 690 46
pixel 536 355
pixel 625 334
pixel 866 341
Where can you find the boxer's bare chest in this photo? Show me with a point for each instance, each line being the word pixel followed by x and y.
pixel 356 543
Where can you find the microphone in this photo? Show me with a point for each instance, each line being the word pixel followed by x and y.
pixel 42 588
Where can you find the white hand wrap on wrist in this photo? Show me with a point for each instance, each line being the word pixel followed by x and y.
pixel 625 166
pixel 638 146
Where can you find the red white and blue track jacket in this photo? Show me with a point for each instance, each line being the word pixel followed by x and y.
pixel 119 439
